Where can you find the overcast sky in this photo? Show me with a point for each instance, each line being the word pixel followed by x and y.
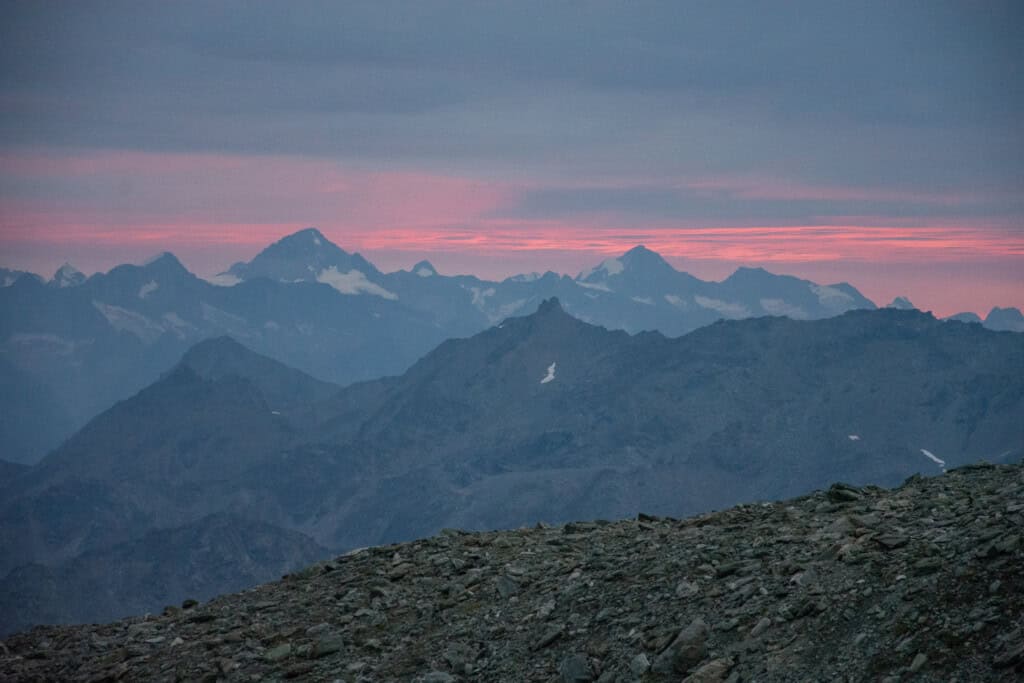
pixel 879 143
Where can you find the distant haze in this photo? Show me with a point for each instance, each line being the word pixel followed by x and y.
pixel 877 143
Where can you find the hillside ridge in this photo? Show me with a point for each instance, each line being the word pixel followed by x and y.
pixel 922 581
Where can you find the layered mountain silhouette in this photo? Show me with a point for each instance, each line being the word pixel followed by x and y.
pixel 77 345
pixel 1009 319
pixel 67 276
pixel 8 276
pixel 542 417
pixel 74 346
pixel 85 347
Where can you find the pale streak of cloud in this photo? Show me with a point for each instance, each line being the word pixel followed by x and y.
pixel 741 244
pixel 182 200
pixel 746 187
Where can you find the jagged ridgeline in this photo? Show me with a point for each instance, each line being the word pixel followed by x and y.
pixel 919 583
pixel 539 418
pixel 73 346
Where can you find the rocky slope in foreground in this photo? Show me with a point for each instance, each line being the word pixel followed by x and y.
pixel 923 582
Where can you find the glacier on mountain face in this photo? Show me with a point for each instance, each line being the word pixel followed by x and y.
pixel 148 288
pixel 352 282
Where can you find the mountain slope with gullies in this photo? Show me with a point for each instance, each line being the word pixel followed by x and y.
pixel 547 418
pixel 541 418
pixel 176 452
pixel 921 583
pixel 86 347
pixel 79 345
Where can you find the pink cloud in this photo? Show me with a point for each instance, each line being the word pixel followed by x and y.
pixel 205 204
pixel 129 188
pixel 780 189
pixel 741 243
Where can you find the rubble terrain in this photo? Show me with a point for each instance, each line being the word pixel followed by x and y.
pixel 924 582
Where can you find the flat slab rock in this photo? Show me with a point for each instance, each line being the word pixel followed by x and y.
pixel 924 582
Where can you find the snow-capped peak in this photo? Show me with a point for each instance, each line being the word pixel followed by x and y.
pixel 605 269
pixel 301 257
pixel 526 277
pixel 424 269
pixel 306 235
pixel 67 276
pixel 902 303
pixel 638 261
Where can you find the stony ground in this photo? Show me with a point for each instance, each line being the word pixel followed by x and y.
pixel 924 582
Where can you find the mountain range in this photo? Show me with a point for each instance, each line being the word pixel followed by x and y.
pixel 73 346
pixel 542 417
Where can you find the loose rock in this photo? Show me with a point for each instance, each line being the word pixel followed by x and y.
pixel 917 583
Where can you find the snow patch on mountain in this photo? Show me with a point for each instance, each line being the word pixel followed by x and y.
pixel 902 303
pixel 480 295
pixel 68 276
pixel 526 277
pixel 177 325
pixel 780 307
pixel 853 437
pixel 729 310
pixel 830 297
pixel 931 456
pixel 51 342
pixel 123 320
pixel 612 266
pixel 508 309
pixel 353 282
pixel 676 301
pixel 594 285
pixel 236 326
pixel 148 288
pixel 424 272
pixel 224 280
pixel 646 300
pixel 551 374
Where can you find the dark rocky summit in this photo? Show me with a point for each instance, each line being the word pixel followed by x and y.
pixel 923 583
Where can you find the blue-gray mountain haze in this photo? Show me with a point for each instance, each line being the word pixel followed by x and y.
pixel 540 417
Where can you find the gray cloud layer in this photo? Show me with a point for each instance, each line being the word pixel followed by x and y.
pixel 907 95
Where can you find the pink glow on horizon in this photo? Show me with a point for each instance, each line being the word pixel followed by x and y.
pixel 229 206
pixel 740 243
pixel 742 187
pixel 132 188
